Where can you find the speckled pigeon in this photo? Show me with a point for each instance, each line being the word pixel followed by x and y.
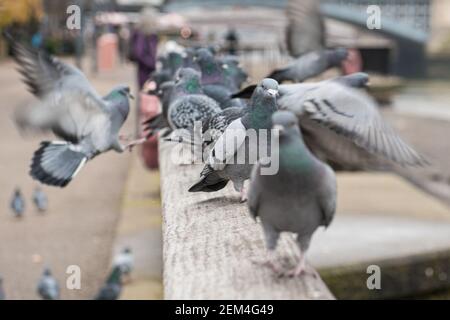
pixel 69 107
pixel 310 65
pixel 188 103
pixel 222 164
pixel 113 287
pixel 299 198
pixel 48 288
pixel 18 203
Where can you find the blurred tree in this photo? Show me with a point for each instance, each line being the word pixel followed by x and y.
pixel 19 11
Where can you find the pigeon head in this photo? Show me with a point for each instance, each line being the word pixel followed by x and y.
pixel 47 272
pixel 267 90
pixel 286 123
pixel 119 99
pixel 234 71
pixel 175 61
pixel 121 90
pixel 210 68
pixel 338 55
pixel 127 250
pixel 188 81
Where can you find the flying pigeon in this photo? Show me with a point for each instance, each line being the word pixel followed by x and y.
pixel 299 198
pixel 214 82
pixel 2 291
pixel 68 106
pixel 188 103
pixel 310 65
pixel 342 126
pixel 18 203
pixel 40 199
pixel 113 287
pixel 48 288
pixel 125 261
pixel 223 163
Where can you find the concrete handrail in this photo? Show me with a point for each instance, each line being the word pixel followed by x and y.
pixel 210 243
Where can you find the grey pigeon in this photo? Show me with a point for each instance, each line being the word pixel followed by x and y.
pixel 40 199
pixel 233 72
pixel 2 290
pixel 299 198
pixel 18 203
pixel 125 261
pixel 188 102
pixel 223 163
pixel 48 288
pixel 216 125
pixel 68 106
pixel 214 82
pixel 310 65
pixel 113 287
pixel 342 126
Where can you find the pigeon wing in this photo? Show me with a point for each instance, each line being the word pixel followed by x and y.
pixel 352 115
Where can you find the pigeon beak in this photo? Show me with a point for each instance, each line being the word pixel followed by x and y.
pixel 130 96
pixel 278 127
pixel 272 92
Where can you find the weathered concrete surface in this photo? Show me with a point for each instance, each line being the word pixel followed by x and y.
pixel 140 228
pixel 384 220
pixel 210 244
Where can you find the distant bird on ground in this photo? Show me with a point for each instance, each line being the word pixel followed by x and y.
pixel 2 290
pixel 113 287
pixel 40 199
pixel 310 65
pixel 188 103
pixel 299 198
pixel 214 82
pixel 48 288
pixel 18 203
pixel 69 107
pixel 125 261
pixel 342 126
pixel 223 163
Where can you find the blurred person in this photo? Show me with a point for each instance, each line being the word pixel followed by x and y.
pixel 232 41
pixel 143 45
pixel 18 203
pixel 124 37
pixel 40 200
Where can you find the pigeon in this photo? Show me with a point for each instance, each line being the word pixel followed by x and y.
pixel 235 75
pixel 40 199
pixel 310 65
pixel 188 103
pixel 216 125
pixel 68 106
pixel 48 288
pixel 342 125
pixel 113 287
pixel 223 163
pixel 299 198
pixel 214 82
pixel 125 261
pixel 18 203
pixel 357 80
pixel 174 62
pixel 159 121
pixel 2 291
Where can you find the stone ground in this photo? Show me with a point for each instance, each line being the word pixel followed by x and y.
pixel 79 228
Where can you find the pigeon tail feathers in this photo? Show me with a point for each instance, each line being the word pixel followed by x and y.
pixel 56 163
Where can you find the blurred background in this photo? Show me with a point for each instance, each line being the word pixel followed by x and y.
pixel 115 202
